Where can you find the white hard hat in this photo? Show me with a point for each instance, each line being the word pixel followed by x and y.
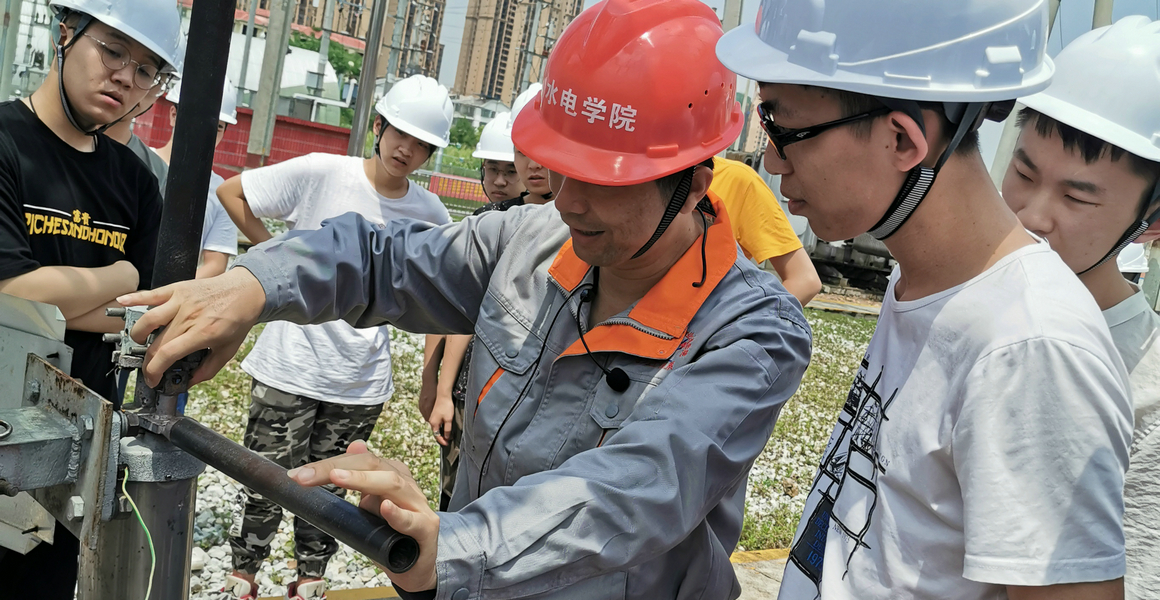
pixel 1132 259
pixel 924 50
pixel 229 109
pixel 495 143
pixel 523 99
pixel 1107 84
pixel 155 24
pixel 419 106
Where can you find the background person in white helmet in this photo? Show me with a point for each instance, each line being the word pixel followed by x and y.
pixel 219 235
pixel 79 213
pixel 1085 175
pixel 317 388
pixel 498 176
pixel 446 357
pixel 981 451
pixel 532 174
pixel 446 361
pixel 1133 263
pixel 122 131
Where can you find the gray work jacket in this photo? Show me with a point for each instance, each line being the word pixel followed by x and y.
pixel 588 493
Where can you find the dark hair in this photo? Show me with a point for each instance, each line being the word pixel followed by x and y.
pixel 667 185
pixel 1090 147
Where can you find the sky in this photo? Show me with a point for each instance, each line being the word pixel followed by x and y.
pixel 1074 18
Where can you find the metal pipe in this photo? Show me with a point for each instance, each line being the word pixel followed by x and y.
pixel 193 143
pixel 366 81
pixel 362 531
pixel 122 560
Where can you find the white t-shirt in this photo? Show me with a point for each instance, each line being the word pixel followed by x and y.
pixel 333 361
pixel 983 444
pixel 218 232
pixel 1136 331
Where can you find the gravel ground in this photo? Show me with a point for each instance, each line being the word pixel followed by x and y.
pixel 779 480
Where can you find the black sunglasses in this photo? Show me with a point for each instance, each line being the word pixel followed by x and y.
pixel 780 137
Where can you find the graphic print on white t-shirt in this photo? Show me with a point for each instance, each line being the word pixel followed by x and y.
pixel 848 478
pixel 972 411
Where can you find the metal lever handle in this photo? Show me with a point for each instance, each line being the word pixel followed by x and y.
pixel 357 528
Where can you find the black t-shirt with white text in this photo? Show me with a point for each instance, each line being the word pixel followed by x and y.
pixel 63 207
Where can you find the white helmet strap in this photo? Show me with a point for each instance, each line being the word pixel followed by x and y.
pixel 1136 230
pixel 920 179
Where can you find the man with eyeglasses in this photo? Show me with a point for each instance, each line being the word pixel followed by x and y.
pixel 981 451
pixel 79 213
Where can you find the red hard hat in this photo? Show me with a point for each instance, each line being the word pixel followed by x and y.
pixel 633 91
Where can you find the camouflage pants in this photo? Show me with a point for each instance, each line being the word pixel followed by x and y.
pixel 449 454
pixel 292 431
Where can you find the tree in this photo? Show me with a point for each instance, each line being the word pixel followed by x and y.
pixel 346 63
pixel 463 134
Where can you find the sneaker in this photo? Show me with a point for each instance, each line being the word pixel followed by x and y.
pixel 237 588
pixel 309 590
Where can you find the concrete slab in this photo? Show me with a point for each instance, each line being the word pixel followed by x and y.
pixel 760 580
pixel 858 310
pixel 759 573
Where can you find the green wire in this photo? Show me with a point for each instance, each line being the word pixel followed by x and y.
pixel 148 537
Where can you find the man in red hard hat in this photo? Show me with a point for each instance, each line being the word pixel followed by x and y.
pixel 629 364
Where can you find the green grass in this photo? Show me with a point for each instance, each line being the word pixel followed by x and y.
pixel 780 479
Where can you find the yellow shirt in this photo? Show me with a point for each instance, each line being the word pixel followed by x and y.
pixel 759 224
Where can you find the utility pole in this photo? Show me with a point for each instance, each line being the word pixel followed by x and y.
pixel 732 17
pixel 1010 130
pixel 8 35
pixel 246 51
pixel 530 46
pixel 270 84
pixel 401 7
pixel 324 44
pixel 1102 15
pixel 366 83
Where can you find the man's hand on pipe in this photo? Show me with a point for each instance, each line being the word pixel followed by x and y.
pixel 387 490
pixel 214 313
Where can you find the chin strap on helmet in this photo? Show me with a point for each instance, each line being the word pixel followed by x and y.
pixel 1143 222
pixel 672 210
pixel 920 179
pixel 85 21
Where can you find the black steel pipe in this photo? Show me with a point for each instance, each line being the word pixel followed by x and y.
pixel 194 137
pixel 365 533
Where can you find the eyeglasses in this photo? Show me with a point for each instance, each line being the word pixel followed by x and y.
pixel 116 57
pixel 493 172
pixel 780 137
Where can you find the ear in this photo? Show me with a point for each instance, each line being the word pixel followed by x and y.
pixel 173 116
pixel 1150 234
pixel 909 145
pixel 378 126
pixel 64 33
pixel 702 178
